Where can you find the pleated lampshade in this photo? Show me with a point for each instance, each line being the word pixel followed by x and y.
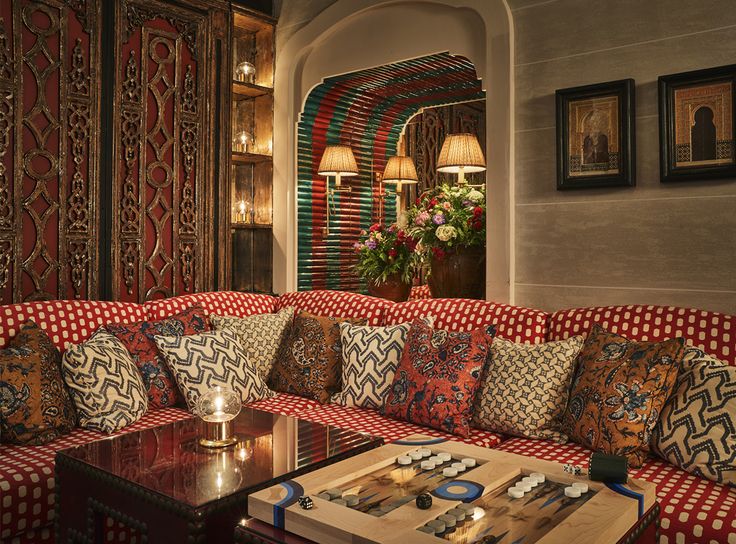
pixel 461 151
pixel 338 160
pixel 401 171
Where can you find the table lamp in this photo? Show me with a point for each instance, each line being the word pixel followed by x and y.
pixel 461 154
pixel 217 408
pixel 400 171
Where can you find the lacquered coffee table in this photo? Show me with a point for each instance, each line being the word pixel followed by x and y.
pixel 160 485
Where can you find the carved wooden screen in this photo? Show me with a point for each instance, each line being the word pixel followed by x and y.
pixel 159 189
pixel 49 127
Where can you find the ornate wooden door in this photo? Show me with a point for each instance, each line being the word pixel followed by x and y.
pixel 49 148
pixel 163 177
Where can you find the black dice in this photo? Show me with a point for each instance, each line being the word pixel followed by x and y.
pixel 424 501
pixel 305 502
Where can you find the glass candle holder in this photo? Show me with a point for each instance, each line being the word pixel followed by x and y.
pixel 216 409
pixel 241 212
pixel 246 72
pixel 243 142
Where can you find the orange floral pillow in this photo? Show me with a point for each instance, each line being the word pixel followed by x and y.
pixel 618 392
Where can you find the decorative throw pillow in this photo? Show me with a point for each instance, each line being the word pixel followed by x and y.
pixel 309 361
pixel 35 407
pixel 202 361
pixel 138 339
pixel 105 384
pixel 524 388
pixel 697 428
pixel 618 392
pixel 370 356
pixel 260 335
pixel 438 376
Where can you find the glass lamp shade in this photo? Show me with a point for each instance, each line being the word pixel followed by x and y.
pixel 338 160
pixel 217 408
pixel 245 71
pixel 461 153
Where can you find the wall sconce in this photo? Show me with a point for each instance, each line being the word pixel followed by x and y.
pixel 400 171
pixel 242 142
pixel 245 71
pixel 461 154
pixel 338 161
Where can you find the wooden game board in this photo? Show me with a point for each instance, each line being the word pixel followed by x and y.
pixel 545 515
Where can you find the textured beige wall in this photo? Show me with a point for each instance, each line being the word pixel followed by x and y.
pixel 650 244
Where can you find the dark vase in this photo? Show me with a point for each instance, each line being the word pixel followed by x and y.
pixel 393 289
pixel 460 274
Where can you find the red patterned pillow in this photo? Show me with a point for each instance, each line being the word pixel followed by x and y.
pixel 438 376
pixel 138 340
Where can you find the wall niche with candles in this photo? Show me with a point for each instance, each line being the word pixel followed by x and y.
pixel 250 222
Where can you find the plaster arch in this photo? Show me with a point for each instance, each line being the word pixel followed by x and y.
pixel 352 35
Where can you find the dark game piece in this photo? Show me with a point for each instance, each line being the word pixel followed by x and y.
pixel 424 501
pixel 305 502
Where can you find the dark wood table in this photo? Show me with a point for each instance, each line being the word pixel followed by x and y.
pixel 160 485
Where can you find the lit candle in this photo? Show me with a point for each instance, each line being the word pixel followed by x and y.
pixel 245 71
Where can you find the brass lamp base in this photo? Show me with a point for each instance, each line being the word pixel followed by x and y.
pixel 216 434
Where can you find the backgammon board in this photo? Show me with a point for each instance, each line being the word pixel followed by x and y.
pixel 478 495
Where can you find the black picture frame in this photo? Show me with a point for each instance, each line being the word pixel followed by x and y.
pixel 673 157
pixel 571 172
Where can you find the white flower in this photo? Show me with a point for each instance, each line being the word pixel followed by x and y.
pixel 379 236
pixel 446 232
pixel 476 196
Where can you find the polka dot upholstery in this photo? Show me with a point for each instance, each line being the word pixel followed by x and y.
pixel 512 322
pixel 419 292
pixel 285 404
pixel 369 421
pixel 231 303
pixel 27 474
pixel 38 536
pixel 694 510
pixel 712 332
pixel 336 304
pixel 67 321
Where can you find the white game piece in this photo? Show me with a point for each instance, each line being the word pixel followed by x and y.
pixel 524 486
pixel 426 529
pixel 404 460
pixel 449 472
pixel 415 455
pixel 324 496
pixel 530 480
pixel 450 521
pixel 351 500
pixel 444 456
pixel 515 492
pixel 428 465
pixel 572 492
pixel 341 502
pixel 467 508
pixel 426 452
pixel 435 459
pixel 469 462
pixel 538 476
pixel 459 466
pixel 582 486
pixel 459 513
pixel 334 493
pixel 438 525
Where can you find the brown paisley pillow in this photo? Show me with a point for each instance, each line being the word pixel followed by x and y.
pixel 618 392
pixel 309 361
pixel 35 407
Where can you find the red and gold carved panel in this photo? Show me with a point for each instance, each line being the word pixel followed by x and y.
pixel 49 148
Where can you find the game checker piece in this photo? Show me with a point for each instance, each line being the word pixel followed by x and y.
pixel 473 507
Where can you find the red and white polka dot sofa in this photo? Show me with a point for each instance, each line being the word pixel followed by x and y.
pixel 694 510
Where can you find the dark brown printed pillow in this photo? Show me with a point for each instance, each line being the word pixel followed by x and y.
pixel 309 361
pixel 35 407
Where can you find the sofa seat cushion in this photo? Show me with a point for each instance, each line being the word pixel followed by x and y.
pixel 512 322
pixel 337 304
pixel 693 509
pixel 231 303
pixel 712 332
pixel 371 422
pixel 285 405
pixel 27 474
pixel 67 321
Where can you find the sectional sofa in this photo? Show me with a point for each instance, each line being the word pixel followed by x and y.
pixel 692 509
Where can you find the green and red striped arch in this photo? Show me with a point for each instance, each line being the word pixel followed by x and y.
pixel 366 110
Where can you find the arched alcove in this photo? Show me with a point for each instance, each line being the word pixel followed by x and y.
pixel 352 35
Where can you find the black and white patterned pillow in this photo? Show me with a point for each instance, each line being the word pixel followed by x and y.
pixel 697 428
pixel 260 335
pixel 370 356
pixel 105 385
pixel 200 362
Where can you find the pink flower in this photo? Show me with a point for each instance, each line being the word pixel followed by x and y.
pixel 422 218
pixel 446 205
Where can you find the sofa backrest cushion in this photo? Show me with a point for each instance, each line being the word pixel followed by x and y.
pixel 67 321
pixel 712 332
pixel 513 323
pixel 231 303
pixel 336 304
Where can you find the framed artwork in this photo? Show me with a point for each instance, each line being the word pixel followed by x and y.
pixel 696 125
pixel 595 136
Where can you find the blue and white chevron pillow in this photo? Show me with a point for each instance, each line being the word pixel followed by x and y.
pixel 697 427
